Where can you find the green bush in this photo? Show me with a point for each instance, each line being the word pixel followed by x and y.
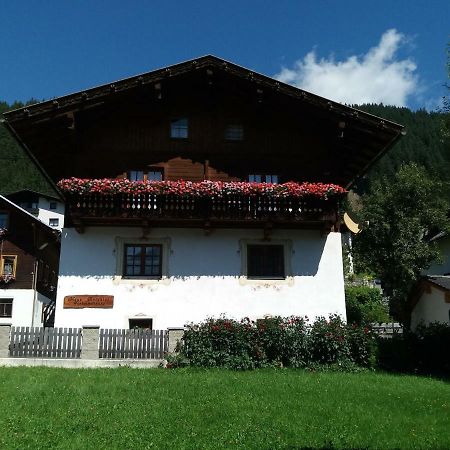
pixel 425 351
pixel 278 342
pixel 365 305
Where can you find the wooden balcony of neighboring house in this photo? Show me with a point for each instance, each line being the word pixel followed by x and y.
pixel 247 210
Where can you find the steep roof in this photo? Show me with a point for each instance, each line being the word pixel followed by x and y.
pixel 372 135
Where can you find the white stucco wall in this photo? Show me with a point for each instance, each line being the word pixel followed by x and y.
pixel 431 307
pixel 22 307
pixel 45 213
pixel 204 278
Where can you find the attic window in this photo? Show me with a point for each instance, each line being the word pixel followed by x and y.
pixel 262 178
pixel 53 205
pixel 179 128
pixel 234 132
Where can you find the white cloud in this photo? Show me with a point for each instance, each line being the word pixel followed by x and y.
pixel 375 77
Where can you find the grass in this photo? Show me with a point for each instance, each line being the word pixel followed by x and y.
pixel 266 409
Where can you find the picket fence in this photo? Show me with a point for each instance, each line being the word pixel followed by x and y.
pixel 39 342
pixel 137 343
pixel 42 342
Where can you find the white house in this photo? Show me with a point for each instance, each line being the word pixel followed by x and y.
pixel 253 230
pixel 430 300
pixel 48 209
pixel 29 255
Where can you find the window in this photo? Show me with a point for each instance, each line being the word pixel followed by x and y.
pixel 146 324
pixel 53 222
pixel 136 175
pixel 29 205
pixel 8 264
pixel 142 260
pixel 4 219
pixel 6 307
pixel 263 179
pixel 234 132
pixel 53 205
pixel 179 128
pixel 153 174
pixel 265 261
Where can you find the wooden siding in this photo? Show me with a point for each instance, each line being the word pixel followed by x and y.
pixel 24 267
pixel 24 237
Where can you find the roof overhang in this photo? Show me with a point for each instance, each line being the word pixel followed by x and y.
pixel 375 135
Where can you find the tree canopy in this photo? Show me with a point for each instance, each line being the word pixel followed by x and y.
pixel 402 213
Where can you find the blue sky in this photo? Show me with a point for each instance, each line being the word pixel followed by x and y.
pixel 349 51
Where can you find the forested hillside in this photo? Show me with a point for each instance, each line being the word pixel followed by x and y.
pixel 423 144
pixel 17 171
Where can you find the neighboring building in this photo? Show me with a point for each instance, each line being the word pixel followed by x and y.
pixel 430 299
pixel 29 256
pixel 141 249
pixel 47 208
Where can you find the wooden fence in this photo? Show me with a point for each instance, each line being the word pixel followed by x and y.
pixel 138 343
pixel 45 342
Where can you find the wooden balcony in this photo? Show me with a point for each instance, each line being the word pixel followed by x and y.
pixel 95 209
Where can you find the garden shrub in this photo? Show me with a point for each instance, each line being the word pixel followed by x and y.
pixel 425 351
pixel 365 305
pixel 278 341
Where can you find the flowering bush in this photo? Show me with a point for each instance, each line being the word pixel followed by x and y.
pixel 108 186
pixel 278 341
pixel 6 278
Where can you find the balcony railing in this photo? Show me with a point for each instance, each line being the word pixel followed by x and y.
pixel 237 207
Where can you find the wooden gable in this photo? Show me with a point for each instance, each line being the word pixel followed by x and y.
pixel 108 130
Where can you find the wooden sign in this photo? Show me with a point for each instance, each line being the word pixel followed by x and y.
pixel 88 301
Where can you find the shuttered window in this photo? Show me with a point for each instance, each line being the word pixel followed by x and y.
pixel 265 261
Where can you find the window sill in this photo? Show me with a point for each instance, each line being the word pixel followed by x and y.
pixel 266 282
pixel 148 281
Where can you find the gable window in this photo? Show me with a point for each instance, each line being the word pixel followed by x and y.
pixel 4 219
pixel 265 261
pixel 262 178
pixel 54 222
pixel 179 128
pixel 8 264
pixel 234 132
pixel 6 307
pixel 53 205
pixel 142 260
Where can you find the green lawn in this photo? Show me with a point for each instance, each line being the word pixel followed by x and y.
pixel 266 409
